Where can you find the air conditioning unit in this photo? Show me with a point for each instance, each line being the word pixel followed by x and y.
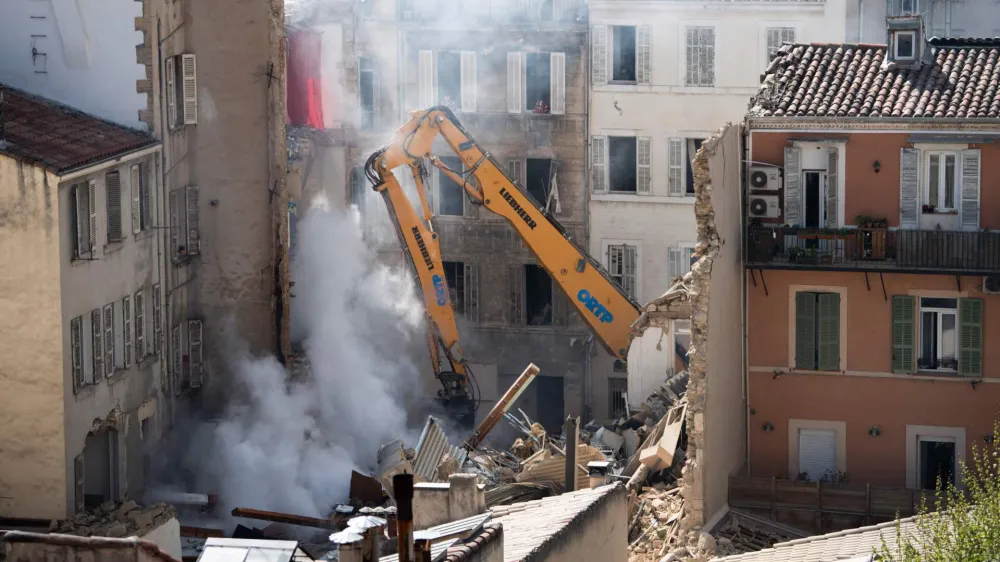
pixel 764 207
pixel 991 284
pixel 765 178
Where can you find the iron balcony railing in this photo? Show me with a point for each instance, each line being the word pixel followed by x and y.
pixel 874 249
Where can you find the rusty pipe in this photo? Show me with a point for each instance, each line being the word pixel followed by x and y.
pixel 422 550
pixel 402 487
pixel 501 407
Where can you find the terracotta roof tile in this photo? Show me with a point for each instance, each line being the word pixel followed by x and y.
pixel 58 137
pixel 962 81
pixel 462 552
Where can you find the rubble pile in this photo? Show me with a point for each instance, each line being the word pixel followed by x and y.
pixel 122 520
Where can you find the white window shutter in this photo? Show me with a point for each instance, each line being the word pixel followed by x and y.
pixel 193 221
pixel 109 340
pixel 157 320
pixel 139 302
pixel 675 167
pixel 136 204
pixel 76 346
pixel 643 165
pixel 468 81
pixel 818 453
pixel 599 55
pixel 80 198
pixel 629 270
pixel 171 76
pixel 175 357
pixel 833 189
pixel 195 353
pixel 127 332
pixel 909 188
pixel 674 257
pixel 189 86
pixel 643 51
pixel 969 209
pixel 515 82
pixel 96 342
pixel 426 83
pixel 113 196
pixel 515 170
pixel 557 83
pixel 599 163
pixel 92 198
pixel 79 484
pixel 793 169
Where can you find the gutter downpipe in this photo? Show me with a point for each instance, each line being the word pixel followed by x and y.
pixel 589 344
pixel 745 383
pixel 166 151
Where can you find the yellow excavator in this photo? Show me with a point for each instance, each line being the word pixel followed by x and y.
pixel 604 306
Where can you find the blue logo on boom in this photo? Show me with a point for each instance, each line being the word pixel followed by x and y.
pixel 595 307
pixel 439 292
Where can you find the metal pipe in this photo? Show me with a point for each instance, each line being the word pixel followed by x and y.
pixel 422 548
pixel 289 518
pixel 402 487
pixel 501 407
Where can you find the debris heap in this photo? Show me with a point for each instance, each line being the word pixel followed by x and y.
pixel 122 520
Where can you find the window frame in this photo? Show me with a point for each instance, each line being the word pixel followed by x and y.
pixel 524 94
pixel 635 56
pixel 617 385
pixel 939 312
pixel 439 178
pixel 895 45
pixel 917 433
pixel 362 111
pixel 780 31
pixel 839 428
pixel 794 290
pixel 621 276
pixel 942 179
pixel 456 104
pixel 635 164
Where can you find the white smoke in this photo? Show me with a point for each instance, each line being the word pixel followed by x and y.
pixel 291 445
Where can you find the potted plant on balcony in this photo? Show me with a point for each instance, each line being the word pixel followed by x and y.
pixel 871 237
pixel 796 255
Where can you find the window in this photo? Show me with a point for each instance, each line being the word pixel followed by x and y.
pixel 125 329
pixel 538 296
pixel 182 90
pixel 904 44
pixel 367 91
pixel 139 317
pixel 449 79
pixel 817 331
pixel 157 320
pixel 622 266
pixel 622 152
pixel 76 351
pixel 454 274
pixel 938 334
pixel 617 392
pixel 176 357
pixel 538 82
pixel 692 146
pixel 539 178
pixel 97 343
pixel 195 359
pixel 113 192
pixel 936 460
pixel 814 196
pixel 908 7
pixel 775 37
pixel 185 232
pixel 950 335
pixel 623 53
pixel 83 201
pixel 79 489
pixel 942 177
pixel 141 209
pixel 451 196
pixel 110 351
pixel 700 56
pixel 679 261
pixel 682 343
pixel 619 366
pixel 817 454
pixel 622 163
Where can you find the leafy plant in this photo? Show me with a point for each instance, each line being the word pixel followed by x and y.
pixel 963 525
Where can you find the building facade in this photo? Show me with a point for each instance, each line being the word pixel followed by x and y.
pixel 942 18
pixel 872 260
pixel 665 76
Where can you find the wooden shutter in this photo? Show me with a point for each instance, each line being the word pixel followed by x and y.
pixel 426 82
pixel 96 341
pixel 970 337
pixel 171 77
pixel 471 292
pixel 675 167
pixel 76 345
pixel 195 353
pixel 832 189
pixel 629 270
pixel 643 165
pixel 902 333
pixel 468 80
pixel 805 331
pixel 175 222
pixel 515 82
pixel 79 489
pixel 706 62
pixel 113 193
pixel 969 208
pixel 515 286
pixel 109 340
pixel 793 177
pixel 557 83
pixel 189 75
pixel 515 171
pixel 599 55
pixel 598 162
pixel 193 221
pixel 157 320
pixel 80 220
pixel 127 332
pixel 909 188
pixel 675 257
pixel 175 357
pixel 818 453
pixel 643 52
pixel 140 324
pixel 828 328
pixel 92 207
pixel 135 178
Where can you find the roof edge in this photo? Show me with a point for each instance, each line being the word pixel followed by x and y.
pixel 106 159
pixel 617 490
pixel 88 542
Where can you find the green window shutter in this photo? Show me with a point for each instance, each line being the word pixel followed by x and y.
pixel 970 337
pixel 805 331
pixel 828 328
pixel 902 334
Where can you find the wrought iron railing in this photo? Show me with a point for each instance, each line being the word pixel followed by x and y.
pixel 874 249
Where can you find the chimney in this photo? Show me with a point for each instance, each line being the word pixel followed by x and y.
pixel 598 471
pixel 906 42
pixel 402 486
pixel 369 528
pixel 349 545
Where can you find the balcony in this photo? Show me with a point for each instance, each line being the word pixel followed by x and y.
pixel 879 249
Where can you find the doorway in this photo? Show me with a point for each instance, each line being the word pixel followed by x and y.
pixel 814 198
pixel 936 459
pixel 551 409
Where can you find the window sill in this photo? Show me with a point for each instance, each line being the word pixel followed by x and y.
pixel 113 247
pixel 117 376
pixel 946 213
pixel 940 373
pixel 144 234
pixel 146 361
pixel 78 261
pixel 85 391
pixel 626 197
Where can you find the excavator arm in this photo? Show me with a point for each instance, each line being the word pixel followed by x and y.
pixel 602 304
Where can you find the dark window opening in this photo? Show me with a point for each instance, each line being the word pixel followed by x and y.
pixel 100 453
pixel 538 183
pixel 537 76
pixel 451 194
pixel 551 405
pixel 538 296
pixel 620 366
pixel 937 460
pixel 358 185
pixel 692 148
pixel 454 275
pixel 617 388
pixel 622 154
pixel 904 45
pixel 449 78
pixel 814 204
pixel 366 91
pixel 624 54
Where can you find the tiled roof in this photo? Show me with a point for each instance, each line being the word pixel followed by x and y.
pixel 463 552
pixel 89 544
pixel 530 527
pixel 58 137
pixel 847 80
pixel 852 544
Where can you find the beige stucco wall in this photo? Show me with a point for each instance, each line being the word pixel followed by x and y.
pixel 603 535
pixel 724 430
pixel 32 481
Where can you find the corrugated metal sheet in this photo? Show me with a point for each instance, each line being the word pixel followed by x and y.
pixel 433 444
pixel 459 529
pixel 437 552
pixel 553 468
